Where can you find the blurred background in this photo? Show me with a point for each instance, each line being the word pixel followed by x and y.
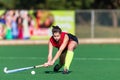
pixel 87 19
pixel 25 23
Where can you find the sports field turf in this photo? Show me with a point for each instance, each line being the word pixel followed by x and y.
pixel 91 62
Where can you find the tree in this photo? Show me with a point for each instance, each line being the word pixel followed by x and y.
pixel 28 4
pixel 106 4
pixel 7 4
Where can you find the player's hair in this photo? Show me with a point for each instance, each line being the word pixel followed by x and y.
pixel 56 29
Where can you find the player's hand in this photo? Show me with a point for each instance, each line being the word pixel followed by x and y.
pixel 46 64
pixel 52 63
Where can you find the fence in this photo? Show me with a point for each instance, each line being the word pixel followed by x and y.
pixel 98 24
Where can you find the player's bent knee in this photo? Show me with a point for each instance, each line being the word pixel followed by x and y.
pixel 71 47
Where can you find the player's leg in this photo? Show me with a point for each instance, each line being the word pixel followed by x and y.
pixel 61 61
pixel 69 55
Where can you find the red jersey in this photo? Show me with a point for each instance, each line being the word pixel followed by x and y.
pixel 58 44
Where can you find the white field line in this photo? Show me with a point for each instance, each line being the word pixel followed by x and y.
pixel 27 58
pixel 79 59
pixel 98 59
pixel 81 41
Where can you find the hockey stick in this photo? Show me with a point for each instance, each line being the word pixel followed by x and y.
pixel 21 69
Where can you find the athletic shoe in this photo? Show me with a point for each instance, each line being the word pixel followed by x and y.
pixel 66 71
pixel 57 67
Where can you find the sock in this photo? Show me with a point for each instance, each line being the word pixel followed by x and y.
pixel 68 59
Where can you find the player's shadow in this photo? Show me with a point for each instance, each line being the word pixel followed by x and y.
pixel 52 72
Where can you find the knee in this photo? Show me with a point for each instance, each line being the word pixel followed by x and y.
pixel 70 48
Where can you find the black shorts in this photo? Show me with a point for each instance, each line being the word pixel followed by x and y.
pixel 72 37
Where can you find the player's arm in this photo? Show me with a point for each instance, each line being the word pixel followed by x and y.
pixel 50 52
pixel 50 47
pixel 62 47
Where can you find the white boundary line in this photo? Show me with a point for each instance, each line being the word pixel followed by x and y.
pixel 81 41
pixel 27 58
pixel 98 59
pixel 79 59
pixel 99 41
pixel 23 42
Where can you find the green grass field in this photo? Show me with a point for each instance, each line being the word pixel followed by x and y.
pixel 91 62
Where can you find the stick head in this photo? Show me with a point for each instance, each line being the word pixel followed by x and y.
pixel 5 70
